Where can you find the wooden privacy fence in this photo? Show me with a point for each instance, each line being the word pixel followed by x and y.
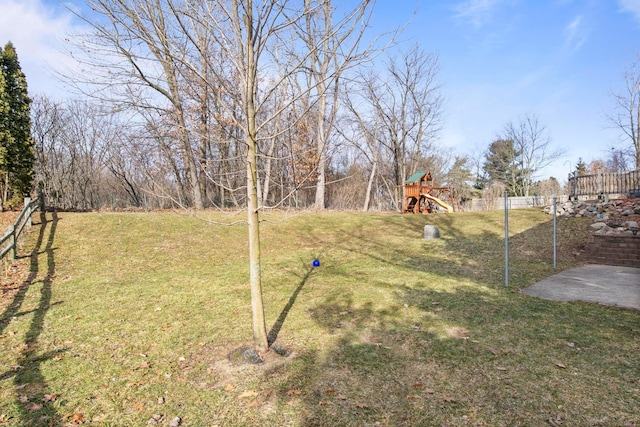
pixel 600 184
pixel 13 233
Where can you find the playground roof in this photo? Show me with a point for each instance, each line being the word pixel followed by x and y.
pixel 416 177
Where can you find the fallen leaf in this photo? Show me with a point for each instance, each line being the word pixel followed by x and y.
pixel 324 403
pixel 362 405
pixel 341 397
pixel 23 399
pixel 245 394
pixel 21 386
pixel 98 418
pixel 31 407
pixel 228 387
pixel 455 332
pixel 501 368
pixel 138 406
pixel 78 418
pixel 294 392
pixel 449 399
pixel 555 421
pixel 429 391
pixel 560 365
pixel 155 418
pixel 49 397
pixel 413 396
pixel 329 391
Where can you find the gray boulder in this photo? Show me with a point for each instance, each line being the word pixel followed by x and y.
pixel 430 232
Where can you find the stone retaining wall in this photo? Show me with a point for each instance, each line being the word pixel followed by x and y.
pixel 616 238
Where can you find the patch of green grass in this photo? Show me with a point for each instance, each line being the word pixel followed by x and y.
pixel 127 316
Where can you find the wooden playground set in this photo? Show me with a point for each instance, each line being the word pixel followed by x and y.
pixel 419 195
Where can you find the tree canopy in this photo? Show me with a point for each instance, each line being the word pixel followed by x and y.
pixel 16 145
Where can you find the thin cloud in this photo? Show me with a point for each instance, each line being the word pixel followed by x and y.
pixel 35 30
pixel 575 34
pixel 631 6
pixel 477 12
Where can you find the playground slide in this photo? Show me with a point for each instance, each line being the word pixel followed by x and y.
pixel 439 202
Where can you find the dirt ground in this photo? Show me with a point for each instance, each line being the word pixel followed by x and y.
pixel 13 273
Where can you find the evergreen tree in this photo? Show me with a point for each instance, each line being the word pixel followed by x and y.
pixel 581 167
pixel 502 165
pixel 16 145
pixel 460 177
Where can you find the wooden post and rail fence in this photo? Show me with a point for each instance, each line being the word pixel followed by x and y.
pixel 618 185
pixel 13 233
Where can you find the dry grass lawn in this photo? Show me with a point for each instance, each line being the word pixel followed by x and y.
pixel 125 319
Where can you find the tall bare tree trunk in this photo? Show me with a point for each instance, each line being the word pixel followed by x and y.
pixel 372 176
pixel 250 81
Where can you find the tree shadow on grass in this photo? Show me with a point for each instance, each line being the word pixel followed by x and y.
pixel 476 252
pixel 472 354
pixel 33 398
pixel 272 336
pixel 474 358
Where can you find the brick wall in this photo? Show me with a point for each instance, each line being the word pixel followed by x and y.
pixel 614 250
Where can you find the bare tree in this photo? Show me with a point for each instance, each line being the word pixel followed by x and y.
pixel 333 47
pixel 407 106
pixel 164 59
pixel 627 117
pixel 132 63
pixel 357 126
pixel 244 31
pixel 72 143
pixel 532 147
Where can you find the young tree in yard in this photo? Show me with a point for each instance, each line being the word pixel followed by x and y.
pixel 245 32
pixel 627 116
pixel 16 145
pixel 157 48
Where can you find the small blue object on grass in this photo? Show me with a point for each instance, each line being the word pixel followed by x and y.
pixel 315 263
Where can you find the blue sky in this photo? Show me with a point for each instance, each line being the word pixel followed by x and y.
pixel 499 60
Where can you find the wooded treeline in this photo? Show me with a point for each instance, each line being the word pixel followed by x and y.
pixel 163 124
pixel 171 96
